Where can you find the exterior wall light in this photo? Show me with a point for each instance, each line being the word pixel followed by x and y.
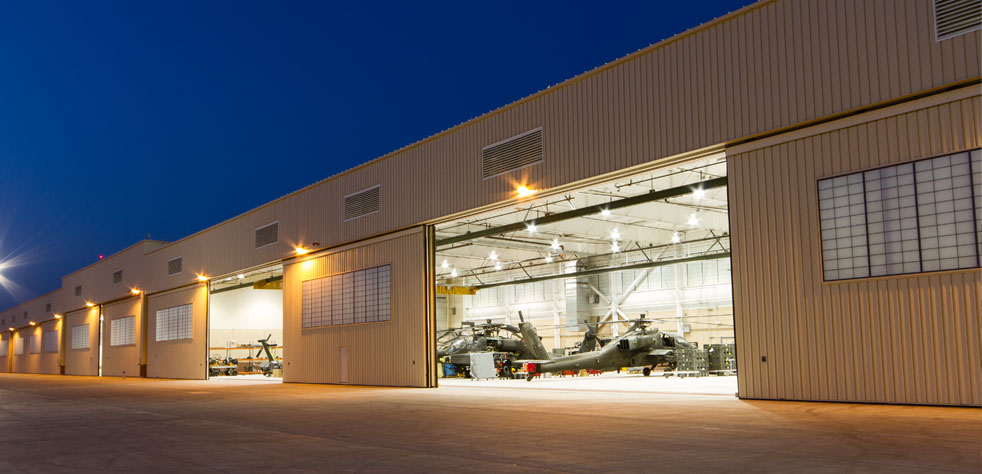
pixel 524 191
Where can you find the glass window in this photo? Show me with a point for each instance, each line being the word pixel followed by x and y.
pixel 915 217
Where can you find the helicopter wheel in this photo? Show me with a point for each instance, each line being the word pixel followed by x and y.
pixel 646 371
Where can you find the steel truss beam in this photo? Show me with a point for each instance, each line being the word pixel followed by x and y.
pixel 588 210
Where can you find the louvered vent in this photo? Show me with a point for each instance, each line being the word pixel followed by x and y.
pixel 266 235
pixel 511 154
pixel 362 203
pixel 78 290
pixel 956 17
pixel 117 276
pixel 174 266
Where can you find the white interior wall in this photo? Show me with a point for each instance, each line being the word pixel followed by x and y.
pixel 703 288
pixel 245 316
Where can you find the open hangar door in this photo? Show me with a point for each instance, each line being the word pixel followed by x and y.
pixel 245 325
pixel 621 284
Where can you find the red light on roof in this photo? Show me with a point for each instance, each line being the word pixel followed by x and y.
pixel 100 257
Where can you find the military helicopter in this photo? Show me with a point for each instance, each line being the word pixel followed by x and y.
pixel 485 338
pixel 481 338
pixel 455 344
pixel 639 346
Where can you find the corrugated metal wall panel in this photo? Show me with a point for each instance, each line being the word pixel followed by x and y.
pixel 40 363
pixel 82 361
pixel 117 359
pixel 185 358
pixel 385 353
pixel 18 363
pixel 774 65
pixel 97 279
pixel 50 362
pixel 903 339
pixel 5 358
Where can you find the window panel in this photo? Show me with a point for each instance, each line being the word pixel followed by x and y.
pixel 909 218
pixel 946 215
pixel 122 331
pixel 19 346
pixel 35 343
pixel 174 323
pixel 976 180
pixel 892 217
pixel 51 341
pixel 349 298
pixel 844 236
pixel 80 336
pixel 3 348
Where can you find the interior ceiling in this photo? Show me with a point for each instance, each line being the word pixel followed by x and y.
pixel 643 232
pixel 247 277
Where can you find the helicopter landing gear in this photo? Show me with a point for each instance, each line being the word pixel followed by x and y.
pixel 646 371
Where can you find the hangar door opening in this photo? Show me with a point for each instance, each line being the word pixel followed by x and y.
pixel 245 326
pixel 618 284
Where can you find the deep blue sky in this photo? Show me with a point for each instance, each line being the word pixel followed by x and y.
pixel 127 118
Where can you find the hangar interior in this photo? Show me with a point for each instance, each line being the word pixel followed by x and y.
pixel 594 259
pixel 245 325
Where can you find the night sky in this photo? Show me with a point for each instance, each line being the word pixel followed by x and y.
pixel 127 119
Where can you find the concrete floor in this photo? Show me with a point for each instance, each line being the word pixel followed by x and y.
pixel 87 424
pixel 609 382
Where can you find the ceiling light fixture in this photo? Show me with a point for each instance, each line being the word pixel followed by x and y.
pixel 693 220
pixel 676 238
pixel 445 265
pixel 605 212
pixel 530 227
pixel 614 247
pixel 497 267
pixel 555 244
pixel 615 234
pixel 240 276
pixel 548 258
pixel 493 256
pixel 698 193
pixel 453 273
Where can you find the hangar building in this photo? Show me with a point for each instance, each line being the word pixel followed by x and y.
pixel 797 180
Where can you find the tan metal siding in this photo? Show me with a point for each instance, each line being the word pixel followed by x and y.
pixel 180 359
pixel 18 363
pixel 903 339
pixel 384 353
pixel 5 357
pixel 50 362
pixel 770 66
pixel 116 359
pixel 41 363
pixel 82 361
pixel 97 282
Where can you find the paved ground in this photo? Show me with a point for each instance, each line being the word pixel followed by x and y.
pixel 610 382
pixel 83 424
